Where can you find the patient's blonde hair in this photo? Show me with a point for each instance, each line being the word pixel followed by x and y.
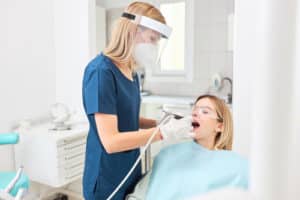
pixel 223 139
pixel 121 45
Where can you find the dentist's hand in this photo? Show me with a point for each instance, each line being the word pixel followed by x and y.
pixel 176 129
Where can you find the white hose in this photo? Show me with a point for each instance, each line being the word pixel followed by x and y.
pixel 139 158
pixel 20 194
pixel 14 181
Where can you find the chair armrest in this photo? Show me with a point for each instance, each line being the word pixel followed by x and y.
pixel 9 138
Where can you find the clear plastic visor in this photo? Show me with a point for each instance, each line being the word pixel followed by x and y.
pixel 155 40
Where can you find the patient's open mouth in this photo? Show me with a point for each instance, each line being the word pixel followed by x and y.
pixel 195 124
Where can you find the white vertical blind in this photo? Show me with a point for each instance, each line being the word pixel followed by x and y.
pixel 266 98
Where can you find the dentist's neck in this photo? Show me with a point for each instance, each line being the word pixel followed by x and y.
pixel 124 66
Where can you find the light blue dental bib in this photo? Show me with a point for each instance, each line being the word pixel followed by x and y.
pixel 187 169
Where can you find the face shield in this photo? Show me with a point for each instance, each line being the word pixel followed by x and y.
pixel 155 33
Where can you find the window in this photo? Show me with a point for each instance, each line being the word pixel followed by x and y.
pixel 173 56
pixel 177 60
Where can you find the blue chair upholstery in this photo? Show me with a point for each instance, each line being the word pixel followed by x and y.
pixel 9 138
pixel 7 177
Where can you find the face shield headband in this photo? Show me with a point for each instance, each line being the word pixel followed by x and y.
pixel 150 23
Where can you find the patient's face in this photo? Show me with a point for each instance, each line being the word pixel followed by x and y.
pixel 205 124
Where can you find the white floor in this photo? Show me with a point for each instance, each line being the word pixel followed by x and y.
pixel 42 192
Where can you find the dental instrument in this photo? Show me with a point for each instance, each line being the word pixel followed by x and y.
pixel 176 115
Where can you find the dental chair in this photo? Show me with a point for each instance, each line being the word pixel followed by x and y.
pixel 13 186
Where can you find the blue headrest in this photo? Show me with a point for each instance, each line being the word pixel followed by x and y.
pixel 9 138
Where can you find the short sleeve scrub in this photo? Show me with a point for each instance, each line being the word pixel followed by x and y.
pixel 106 90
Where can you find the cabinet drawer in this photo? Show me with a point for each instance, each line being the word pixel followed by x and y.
pixel 71 142
pixel 71 151
pixel 71 172
pixel 68 161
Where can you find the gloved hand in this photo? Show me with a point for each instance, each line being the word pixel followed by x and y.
pixel 177 129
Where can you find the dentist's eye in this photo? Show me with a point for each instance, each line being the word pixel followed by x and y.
pixel 154 40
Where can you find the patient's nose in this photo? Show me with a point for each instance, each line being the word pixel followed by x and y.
pixel 194 113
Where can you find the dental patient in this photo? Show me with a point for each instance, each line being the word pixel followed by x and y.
pixel 206 163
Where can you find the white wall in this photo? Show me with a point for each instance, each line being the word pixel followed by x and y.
pixel 73 48
pixel 100 28
pixel 27 67
pixel 119 3
pixel 45 46
pixel 294 139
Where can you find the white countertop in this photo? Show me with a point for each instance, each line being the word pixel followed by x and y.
pixel 44 130
pixel 172 100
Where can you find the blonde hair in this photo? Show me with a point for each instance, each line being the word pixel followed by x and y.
pixel 121 45
pixel 223 139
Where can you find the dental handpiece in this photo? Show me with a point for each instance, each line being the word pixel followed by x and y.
pixel 176 115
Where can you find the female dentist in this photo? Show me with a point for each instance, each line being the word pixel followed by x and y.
pixel 111 99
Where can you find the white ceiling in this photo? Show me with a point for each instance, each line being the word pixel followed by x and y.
pixel 123 3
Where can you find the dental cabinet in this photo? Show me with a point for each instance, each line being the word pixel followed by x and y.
pixel 53 158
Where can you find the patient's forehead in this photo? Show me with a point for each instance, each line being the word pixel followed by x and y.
pixel 205 102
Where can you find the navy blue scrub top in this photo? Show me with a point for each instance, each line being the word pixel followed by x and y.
pixel 107 90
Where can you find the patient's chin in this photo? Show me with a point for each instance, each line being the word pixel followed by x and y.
pixel 196 129
pixel 197 135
